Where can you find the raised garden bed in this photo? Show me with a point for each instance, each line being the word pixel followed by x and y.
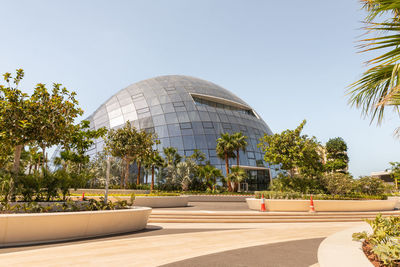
pixel 29 228
pixel 322 205
pixel 161 201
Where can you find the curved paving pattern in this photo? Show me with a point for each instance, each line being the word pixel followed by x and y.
pixel 299 253
pixel 163 249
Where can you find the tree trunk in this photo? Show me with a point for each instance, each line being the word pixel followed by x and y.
pixel 44 156
pixel 237 158
pixel 227 171
pixel 152 178
pixel 235 186
pixel 17 158
pixel 122 176
pixel 139 164
pixel 126 173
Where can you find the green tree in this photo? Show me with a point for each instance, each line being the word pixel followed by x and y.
pixel 123 143
pixel 17 113
pixel 98 168
pixel 395 168
pixel 226 147
pixel 236 176
pixel 336 155
pixel 79 142
pixel 240 144
pixel 210 174
pixel 155 161
pixel 198 156
pixel 6 155
pixel 379 85
pixel 146 141
pixel 172 156
pixel 171 160
pixel 183 174
pixel 131 145
pixel 55 116
pixel 293 151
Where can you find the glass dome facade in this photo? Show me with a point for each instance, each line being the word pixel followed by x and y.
pixel 186 113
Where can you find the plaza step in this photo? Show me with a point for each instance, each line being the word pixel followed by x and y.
pixel 158 216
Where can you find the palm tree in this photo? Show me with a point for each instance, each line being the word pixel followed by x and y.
pixel 171 156
pixel 225 150
pixel 155 160
pixel 210 175
pixel 236 176
pixel 183 174
pixel 380 84
pixel 240 144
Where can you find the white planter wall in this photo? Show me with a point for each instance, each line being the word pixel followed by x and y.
pixel 16 229
pixel 161 201
pixel 322 205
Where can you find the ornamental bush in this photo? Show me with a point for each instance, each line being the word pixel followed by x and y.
pixel 385 239
pixel 297 195
pixel 370 185
pixel 338 184
pixel 297 184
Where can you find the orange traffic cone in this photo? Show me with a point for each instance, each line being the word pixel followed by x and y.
pixel 312 209
pixel 83 196
pixel 262 203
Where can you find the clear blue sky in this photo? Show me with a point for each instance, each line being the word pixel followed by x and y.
pixel 290 60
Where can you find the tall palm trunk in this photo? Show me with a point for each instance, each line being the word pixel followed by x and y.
pixel 236 185
pixel 237 157
pixel 138 173
pixel 152 178
pixel 227 172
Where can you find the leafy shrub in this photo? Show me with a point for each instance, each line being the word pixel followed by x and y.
pixel 370 185
pixel 69 206
pixel 5 184
pixel 28 186
pixel 385 239
pixel 297 195
pixel 338 183
pixel 297 184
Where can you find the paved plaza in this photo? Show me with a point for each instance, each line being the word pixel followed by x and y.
pixel 187 244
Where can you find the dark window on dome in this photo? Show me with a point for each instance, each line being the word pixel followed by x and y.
pixel 208 124
pixel 186 125
pixel 208 103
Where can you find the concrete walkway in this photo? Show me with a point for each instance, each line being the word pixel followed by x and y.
pixel 298 253
pixel 156 250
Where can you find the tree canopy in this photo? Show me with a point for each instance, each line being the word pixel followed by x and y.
pixel 293 151
pixel 336 155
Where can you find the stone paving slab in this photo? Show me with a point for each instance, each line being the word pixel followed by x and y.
pixel 164 249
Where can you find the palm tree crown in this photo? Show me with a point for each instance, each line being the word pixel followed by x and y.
pixel 380 84
pixel 240 143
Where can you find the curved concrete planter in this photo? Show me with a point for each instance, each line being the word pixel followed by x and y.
pixel 397 199
pixel 161 201
pixel 17 229
pixel 339 249
pixel 322 205
pixel 217 198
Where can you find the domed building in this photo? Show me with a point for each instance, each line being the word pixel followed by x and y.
pixel 188 113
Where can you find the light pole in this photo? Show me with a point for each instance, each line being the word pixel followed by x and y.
pixel 107 179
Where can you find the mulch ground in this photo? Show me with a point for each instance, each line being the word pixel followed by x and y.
pixel 367 248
